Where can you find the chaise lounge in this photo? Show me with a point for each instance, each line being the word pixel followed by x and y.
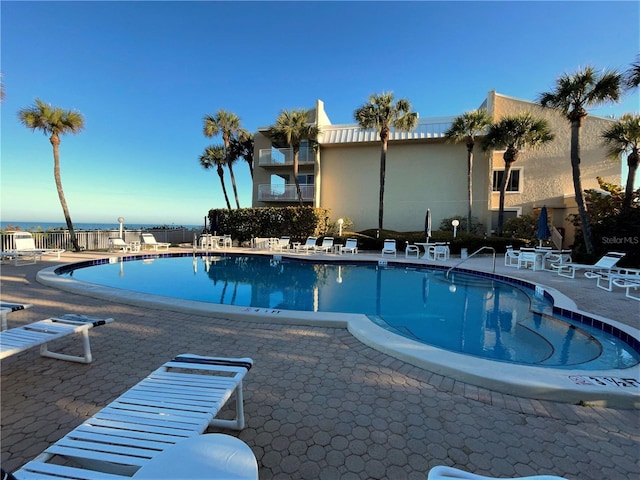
pixel 605 264
pixel 148 240
pixel 450 473
pixel 154 430
pixel 19 339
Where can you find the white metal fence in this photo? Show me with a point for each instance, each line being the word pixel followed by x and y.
pixel 99 239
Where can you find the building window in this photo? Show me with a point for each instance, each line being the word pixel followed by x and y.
pixel 514 180
pixel 306 179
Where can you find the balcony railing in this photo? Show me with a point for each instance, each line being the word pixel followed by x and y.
pixel 284 156
pixel 285 193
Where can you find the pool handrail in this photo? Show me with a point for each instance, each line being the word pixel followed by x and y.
pixel 485 247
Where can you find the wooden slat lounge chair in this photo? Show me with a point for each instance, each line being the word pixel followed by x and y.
pixel 174 404
pixel 19 339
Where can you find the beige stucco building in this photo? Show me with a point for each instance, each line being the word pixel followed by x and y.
pixel 424 171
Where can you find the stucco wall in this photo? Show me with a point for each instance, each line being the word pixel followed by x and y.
pixel 546 172
pixel 419 175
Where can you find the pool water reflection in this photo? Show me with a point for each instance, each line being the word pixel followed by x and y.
pixel 464 313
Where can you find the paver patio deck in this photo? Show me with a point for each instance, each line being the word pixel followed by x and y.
pixel 319 404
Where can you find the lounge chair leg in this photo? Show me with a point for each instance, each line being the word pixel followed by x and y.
pixel 86 358
pixel 238 422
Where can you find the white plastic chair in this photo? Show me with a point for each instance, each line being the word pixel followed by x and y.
pixel 389 247
pixel 450 473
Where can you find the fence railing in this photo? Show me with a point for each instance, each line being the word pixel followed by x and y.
pixel 285 193
pixel 284 156
pixel 99 239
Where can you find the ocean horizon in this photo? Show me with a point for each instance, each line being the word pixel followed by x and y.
pixel 45 226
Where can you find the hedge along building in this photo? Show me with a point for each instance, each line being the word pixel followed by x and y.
pixel 423 171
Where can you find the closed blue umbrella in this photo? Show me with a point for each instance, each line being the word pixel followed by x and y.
pixel 427 225
pixel 543 225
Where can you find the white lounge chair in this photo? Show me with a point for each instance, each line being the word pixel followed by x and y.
pixel 118 244
pixel 283 244
pixel 450 473
pixel 171 406
pixel 606 278
pixel 389 247
pixel 309 245
pixel 19 339
pixel 25 251
pixel 350 246
pixel 606 263
pixel 6 308
pixel 325 246
pixel 148 240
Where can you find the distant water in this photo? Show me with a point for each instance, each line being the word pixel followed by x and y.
pixel 36 226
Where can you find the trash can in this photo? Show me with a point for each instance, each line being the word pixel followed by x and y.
pixel 463 253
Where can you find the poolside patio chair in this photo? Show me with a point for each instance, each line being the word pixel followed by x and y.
pixel 226 241
pixel 309 245
pixel 527 258
pixel 325 246
pixel 19 339
pixel 511 257
pixel 389 247
pixel 25 248
pixel 350 246
pixel 450 473
pixel 148 240
pixel 6 308
pixel 606 263
pixel 411 250
pixel 166 410
pixel 628 284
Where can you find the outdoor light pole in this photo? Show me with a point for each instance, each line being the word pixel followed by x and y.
pixel 121 221
pixel 455 224
pixel 340 222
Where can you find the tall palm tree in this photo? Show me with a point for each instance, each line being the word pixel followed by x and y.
pixel 292 127
pixel 465 128
pixel 241 145
pixel 574 93
pixel 214 156
pixel 632 76
pixel 513 134
pixel 624 137
pixel 54 121
pixel 227 124
pixel 382 114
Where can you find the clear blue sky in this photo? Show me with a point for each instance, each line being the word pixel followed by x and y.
pixel 145 73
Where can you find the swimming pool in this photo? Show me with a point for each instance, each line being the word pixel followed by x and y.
pixel 466 314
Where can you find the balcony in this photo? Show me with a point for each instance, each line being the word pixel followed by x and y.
pixel 277 157
pixel 285 193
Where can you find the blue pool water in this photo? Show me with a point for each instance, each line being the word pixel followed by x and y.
pixel 463 313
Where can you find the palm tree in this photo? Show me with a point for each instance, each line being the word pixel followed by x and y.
pixel 292 127
pixel 382 114
pixel 632 76
pixel 465 128
pixel 513 134
pixel 572 96
pixel 241 145
pixel 214 156
pixel 54 121
pixel 227 124
pixel 624 137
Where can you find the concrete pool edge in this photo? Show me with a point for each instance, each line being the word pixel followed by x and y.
pixel 543 383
